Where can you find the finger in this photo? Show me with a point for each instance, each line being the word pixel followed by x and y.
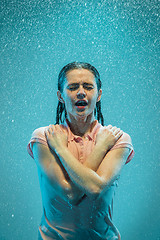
pixel 119 134
pixel 117 130
pixel 109 127
pixel 51 128
pixel 114 128
pixel 46 133
pixel 57 127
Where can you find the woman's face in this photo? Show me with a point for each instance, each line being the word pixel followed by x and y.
pixel 80 93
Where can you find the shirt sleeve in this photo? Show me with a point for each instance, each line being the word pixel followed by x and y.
pixel 125 142
pixel 37 136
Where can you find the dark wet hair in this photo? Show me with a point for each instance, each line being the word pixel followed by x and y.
pixel 61 80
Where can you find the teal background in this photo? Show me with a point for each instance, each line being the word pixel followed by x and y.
pixel 121 39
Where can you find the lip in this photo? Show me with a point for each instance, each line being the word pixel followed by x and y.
pixel 81 101
pixel 81 107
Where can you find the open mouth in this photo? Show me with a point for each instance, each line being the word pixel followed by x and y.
pixel 81 104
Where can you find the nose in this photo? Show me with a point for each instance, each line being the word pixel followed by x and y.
pixel 81 93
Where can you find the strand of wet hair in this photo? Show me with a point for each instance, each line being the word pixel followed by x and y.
pixel 60 110
pixel 99 113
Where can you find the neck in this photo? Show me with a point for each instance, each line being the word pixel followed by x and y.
pixel 81 125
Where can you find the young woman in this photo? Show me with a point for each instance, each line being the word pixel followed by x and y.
pixel 79 161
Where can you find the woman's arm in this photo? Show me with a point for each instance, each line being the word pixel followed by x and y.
pixel 52 169
pixel 105 139
pixel 89 181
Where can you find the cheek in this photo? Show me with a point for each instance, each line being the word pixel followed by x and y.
pixel 69 102
pixel 93 98
pixel 93 104
pixel 68 98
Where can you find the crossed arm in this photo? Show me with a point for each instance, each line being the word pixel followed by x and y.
pixel 92 178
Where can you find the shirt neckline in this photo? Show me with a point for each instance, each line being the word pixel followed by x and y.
pixel 72 137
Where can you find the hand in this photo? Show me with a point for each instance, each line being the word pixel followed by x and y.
pixel 107 137
pixel 56 137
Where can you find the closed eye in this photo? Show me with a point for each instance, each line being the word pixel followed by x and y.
pixel 87 86
pixel 73 88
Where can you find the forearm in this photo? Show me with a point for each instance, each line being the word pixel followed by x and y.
pixel 95 158
pixel 93 161
pixel 75 192
pixel 66 188
pixel 88 177
pixel 84 178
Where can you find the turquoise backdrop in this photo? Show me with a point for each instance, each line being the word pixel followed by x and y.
pixel 121 39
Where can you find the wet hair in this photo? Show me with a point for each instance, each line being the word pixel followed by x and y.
pixel 61 111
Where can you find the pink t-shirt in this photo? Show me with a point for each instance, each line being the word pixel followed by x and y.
pixel 90 219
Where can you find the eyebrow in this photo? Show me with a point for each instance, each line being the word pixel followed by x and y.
pixel 76 84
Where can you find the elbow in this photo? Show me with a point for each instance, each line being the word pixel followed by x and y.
pixel 96 190
pixel 66 189
pixel 72 200
pixel 68 194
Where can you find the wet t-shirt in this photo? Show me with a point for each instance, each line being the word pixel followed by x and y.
pixel 90 219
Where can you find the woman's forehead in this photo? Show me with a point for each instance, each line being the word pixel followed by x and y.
pixel 78 75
